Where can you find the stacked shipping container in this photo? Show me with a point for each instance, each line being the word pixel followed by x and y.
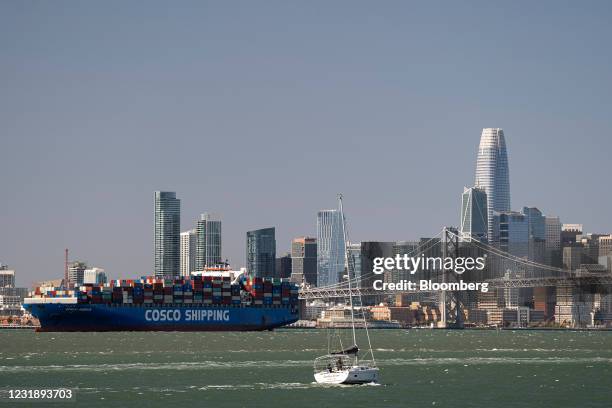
pixel 210 290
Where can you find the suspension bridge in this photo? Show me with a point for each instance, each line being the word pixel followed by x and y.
pixel 503 271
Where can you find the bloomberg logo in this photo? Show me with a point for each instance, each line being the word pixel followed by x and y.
pixel 175 315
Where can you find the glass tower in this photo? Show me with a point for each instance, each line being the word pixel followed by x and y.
pixel 208 242
pixel 167 234
pixel 261 252
pixel 536 223
pixel 512 234
pixel 474 215
pixel 492 173
pixel 330 247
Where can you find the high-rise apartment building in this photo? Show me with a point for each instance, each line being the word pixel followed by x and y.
pixel 330 247
pixel 553 241
pixel 208 242
pixel 492 172
pixel 76 273
pixel 188 252
pixel 261 252
pixel 167 234
pixel 474 214
pixel 304 260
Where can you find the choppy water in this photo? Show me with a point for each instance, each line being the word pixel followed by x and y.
pixel 274 369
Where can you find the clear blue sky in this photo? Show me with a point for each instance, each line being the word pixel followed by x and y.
pixel 263 111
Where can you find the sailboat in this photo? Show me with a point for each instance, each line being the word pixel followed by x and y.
pixel 345 366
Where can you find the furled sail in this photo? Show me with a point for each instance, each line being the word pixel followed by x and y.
pixel 350 350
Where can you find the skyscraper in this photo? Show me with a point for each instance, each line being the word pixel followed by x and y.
pixel 167 234
pixel 208 242
pixel 188 252
pixel 512 233
pixel 474 214
pixel 261 252
pixel 492 173
pixel 552 226
pixel 536 224
pixel 304 260
pixel 330 247
pixel 371 250
pixel 283 266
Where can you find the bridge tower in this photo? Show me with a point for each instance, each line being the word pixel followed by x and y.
pixel 451 302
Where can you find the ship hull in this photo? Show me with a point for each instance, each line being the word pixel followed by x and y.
pixel 193 317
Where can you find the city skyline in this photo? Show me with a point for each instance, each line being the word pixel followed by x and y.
pixel 356 108
pixel 207 217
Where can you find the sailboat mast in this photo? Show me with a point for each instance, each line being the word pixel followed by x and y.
pixel 346 266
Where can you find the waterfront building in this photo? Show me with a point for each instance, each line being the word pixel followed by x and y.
pixel 474 214
pixel 544 299
pixel 208 242
pixel 313 310
pixel 11 298
pixel 7 277
pixel 167 234
pixel 492 172
pixel 330 247
pixel 261 252
pixel 188 252
pixel 493 304
pixel 574 306
pixel 304 260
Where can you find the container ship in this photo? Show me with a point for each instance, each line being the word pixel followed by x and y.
pixel 199 303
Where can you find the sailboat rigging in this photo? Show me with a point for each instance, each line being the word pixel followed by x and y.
pixel 345 366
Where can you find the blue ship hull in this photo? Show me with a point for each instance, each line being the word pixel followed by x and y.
pixel 187 317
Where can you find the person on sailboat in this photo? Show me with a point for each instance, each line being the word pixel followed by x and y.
pixel 339 364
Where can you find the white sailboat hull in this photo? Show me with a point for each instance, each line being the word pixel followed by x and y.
pixel 353 375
